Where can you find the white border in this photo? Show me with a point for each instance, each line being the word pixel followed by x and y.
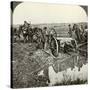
pixel 5 45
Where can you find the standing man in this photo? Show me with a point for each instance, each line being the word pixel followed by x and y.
pixel 25 23
pixel 82 29
pixel 53 32
pixel 25 31
pixel 74 36
pixel 25 26
pixel 70 30
pixel 77 33
pixel 46 37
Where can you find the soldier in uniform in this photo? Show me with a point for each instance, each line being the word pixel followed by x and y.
pixel 46 37
pixel 76 33
pixel 70 30
pixel 53 42
pixel 30 32
pixel 25 31
pixel 53 32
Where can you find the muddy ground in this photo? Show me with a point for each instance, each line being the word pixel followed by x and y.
pixel 27 61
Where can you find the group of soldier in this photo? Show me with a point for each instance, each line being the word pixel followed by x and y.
pixel 46 38
pixel 40 36
pixel 78 32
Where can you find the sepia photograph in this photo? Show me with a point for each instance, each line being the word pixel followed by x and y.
pixel 49 44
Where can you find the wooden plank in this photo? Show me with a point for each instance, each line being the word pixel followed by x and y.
pixel 80 45
pixel 58 60
pixel 82 50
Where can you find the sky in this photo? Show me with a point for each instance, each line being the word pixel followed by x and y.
pixel 48 13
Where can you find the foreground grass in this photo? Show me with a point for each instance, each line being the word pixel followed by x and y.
pixel 76 82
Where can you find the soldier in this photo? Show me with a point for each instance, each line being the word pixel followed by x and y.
pixel 46 37
pixel 82 29
pixel 53 42
pixel 25 24
pixel 30 32
pixel 70 30
pixel 76 33
pixel 53 32
pixel 25 31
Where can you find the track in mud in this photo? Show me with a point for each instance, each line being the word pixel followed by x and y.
pixel 27 61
